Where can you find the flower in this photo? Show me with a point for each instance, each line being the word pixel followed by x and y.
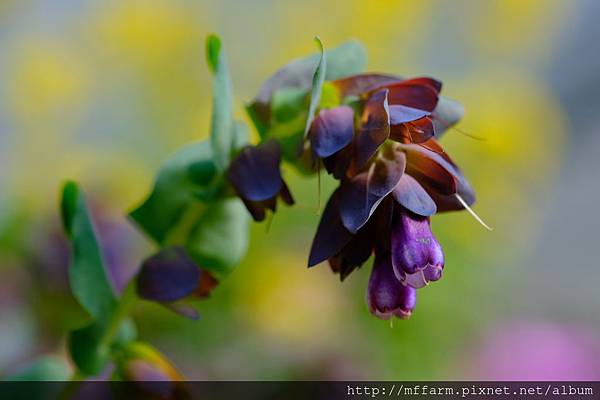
pixel 417 257
pixel 380 143
pixel 171 277
pixel 256 177
pixel 386 296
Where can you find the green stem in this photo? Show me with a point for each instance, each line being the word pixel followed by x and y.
pixel 123 309
pixel 115 319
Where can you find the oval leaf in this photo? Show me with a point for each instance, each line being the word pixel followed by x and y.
pixel 219 240
pixel 179 180
pixel 317 86
pixel 222 123
pixel 87 273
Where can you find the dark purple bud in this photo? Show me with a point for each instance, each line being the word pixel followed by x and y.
pixel 360 196
pixel 255 172
pixel 332 130
pixel 411 195
pixel 168 276
pixel 417 256
pixel 331 234
pixel 386 296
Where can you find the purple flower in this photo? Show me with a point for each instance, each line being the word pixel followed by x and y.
pixel 170 277
pixel 393 176
pixel 416 255
pixel 256 177
pixel 386 296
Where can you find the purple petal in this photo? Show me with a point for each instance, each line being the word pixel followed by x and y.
pixel 184 309
pixel 255 173
pixel 168 276
pixel 386 296
pixel 360 196
pixel 418 131
pixel 356 252
pixel 433 272
pixel 414 247
pixel 375 128
pixel 412 196
pixel 438 174
pixel 332 130
pixel 400 114
pixel 286 195
pixel 338 164
pixel 417 280
pixel 331 235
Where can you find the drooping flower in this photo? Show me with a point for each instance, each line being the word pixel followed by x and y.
pixel 386 296
pixel 416 255
pixel 256 177
pixel 393 176
pixel 171 277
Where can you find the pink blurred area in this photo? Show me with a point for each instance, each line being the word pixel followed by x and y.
pixel 536 351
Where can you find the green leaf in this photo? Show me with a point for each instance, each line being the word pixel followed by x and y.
pixel 330 96
pixel 287 103
pixel 219 240
pixel 179 182
pixel 213 51
pixel 317 86
pixel 296 77
pixel 241 137
pixel 350 58
pixel 90 346
pixel 87 349
pixel 222 123
pixel 87 274
pixel 47 368
pixel 126 333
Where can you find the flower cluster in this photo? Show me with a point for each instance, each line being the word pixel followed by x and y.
pixel 380 143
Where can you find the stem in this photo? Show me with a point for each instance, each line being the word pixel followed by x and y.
pixel 124 306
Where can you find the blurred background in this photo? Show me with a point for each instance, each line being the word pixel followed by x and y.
pixel 103 91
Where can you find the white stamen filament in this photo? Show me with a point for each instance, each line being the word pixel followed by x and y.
pixel 466 206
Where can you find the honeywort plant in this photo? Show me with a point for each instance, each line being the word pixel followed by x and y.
pixel 377 134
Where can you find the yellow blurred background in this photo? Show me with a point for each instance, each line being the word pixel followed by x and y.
pixel 103 91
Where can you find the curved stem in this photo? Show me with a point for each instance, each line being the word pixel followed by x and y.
pixel 123 309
